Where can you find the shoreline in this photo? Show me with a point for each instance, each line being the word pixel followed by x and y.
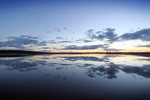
pixel 19 53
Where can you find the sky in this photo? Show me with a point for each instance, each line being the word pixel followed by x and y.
pixel 75 25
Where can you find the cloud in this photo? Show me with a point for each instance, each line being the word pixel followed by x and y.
pixel 112 49
pixel 54 41
pixel 61 29
pixel 29 37
pixel 64 42
pixel 86 47
pixel 20 42
pixel 84 40
pixel 90 47
pixel 143 35
pixel 107 35
pixel 59 38
pixel 45 48
pixel 144 46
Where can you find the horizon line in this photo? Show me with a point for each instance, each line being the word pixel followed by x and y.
pixel 82 52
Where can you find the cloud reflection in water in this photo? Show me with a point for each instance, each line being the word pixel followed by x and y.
pixel 104 66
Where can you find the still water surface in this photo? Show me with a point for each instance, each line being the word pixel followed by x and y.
pixel 77 77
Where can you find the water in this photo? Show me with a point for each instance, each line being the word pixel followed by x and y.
pixel 75 77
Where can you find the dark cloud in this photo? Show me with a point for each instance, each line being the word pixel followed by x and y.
pixel 23 40
pixel 143 46
pixel 90 47
pixel 61 29
pixel 86 47
pixel 54 41
pixel 108 35
pixel 90 31
pixel 20 42
pixel 45 48
pixel 143 35
pixel 29 37
pixel 143 59
pixel 64 41
pixel 112 49
pixel 84 40
pixel 59 38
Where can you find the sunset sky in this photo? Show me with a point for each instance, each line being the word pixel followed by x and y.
pixel 75 25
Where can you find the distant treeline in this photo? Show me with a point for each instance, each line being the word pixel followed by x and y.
pixel 19 52
pixel 36 52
